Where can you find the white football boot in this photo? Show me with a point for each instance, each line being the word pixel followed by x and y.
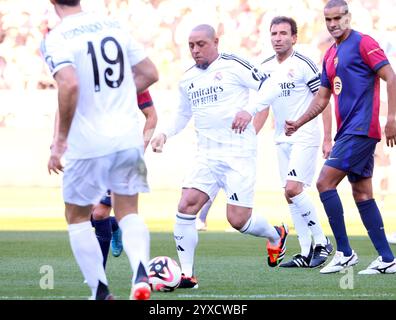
pixel 391 238
pixel 378 267
pixel 340 262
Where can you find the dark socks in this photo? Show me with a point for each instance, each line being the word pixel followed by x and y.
pixel 103 233
pixel 335 213
pixel 372 220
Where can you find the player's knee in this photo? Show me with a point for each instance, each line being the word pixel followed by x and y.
pixel 236 222
pixel 291 192
pixel 321 185
pixel 187 207
pixel 101 212
pixel 360 196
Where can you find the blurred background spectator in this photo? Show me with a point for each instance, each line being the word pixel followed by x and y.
pixel 163 27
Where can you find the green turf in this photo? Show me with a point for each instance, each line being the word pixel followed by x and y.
pixel 39 208
pixel 229 266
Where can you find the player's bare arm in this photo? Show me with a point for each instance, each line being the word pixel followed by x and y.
pixel 387 74
pixel 145 74
pixel 259 120
pixel 149 126
pixel 327 138
pixel 318 104
pixel 67 81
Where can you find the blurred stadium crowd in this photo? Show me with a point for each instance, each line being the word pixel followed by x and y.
pixel 27 110
pixel 163 27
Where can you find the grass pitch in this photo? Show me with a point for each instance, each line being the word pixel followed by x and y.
pixel 34 248
pixel 229 266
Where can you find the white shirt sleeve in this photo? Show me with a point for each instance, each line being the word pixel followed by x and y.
pixel 56 53
pixel 251 77
pixel 268 92
pixel 135 52
pixel 181 117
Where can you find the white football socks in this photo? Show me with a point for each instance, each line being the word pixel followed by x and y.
pixel 136 241
pixel 186 238
pixel 308 212
pixel 302 230
pixel 258 226
pixel 86 250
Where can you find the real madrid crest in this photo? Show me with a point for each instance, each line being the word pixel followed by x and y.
pixel 218 76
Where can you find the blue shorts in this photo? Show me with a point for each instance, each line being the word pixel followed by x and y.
pixel 354 155
pixel 106 199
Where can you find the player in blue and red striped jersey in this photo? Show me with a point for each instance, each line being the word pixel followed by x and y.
pixel 106 226
pixel 352 69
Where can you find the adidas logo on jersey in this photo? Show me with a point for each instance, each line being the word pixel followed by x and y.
pixel 292 173
pixel 306 214
pixel 234 197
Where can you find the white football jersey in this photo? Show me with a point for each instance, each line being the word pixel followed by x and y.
pixel 213 97
pixel 301 80
pixel 102 52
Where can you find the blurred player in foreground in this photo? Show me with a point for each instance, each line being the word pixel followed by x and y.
pixel 106 227
pixel 99 68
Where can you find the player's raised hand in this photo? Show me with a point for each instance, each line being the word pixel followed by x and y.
pixel 157 143
pixel 241 121
pixel 58 148
pixel 290 127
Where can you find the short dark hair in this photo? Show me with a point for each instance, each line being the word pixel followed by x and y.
pixel 337 3
pixel 283 19
pixel 70 3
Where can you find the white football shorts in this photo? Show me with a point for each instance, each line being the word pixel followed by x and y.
pixel 237 176
pixel 85 181
pixel 297 162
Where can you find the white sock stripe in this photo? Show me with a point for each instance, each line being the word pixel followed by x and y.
pixel 184 216
pixel 246 226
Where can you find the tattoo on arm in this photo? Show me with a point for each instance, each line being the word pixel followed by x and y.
pixel 315 110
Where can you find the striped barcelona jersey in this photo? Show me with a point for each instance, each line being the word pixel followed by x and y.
pixel 349 70
pixel 299 83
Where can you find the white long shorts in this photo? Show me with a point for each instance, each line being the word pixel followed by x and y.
pixel 297 162
pixel 85 181
pixel 237 176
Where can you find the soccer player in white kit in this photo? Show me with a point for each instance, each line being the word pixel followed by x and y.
pixel 297 154
pixel 215 92
pixel 98 69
